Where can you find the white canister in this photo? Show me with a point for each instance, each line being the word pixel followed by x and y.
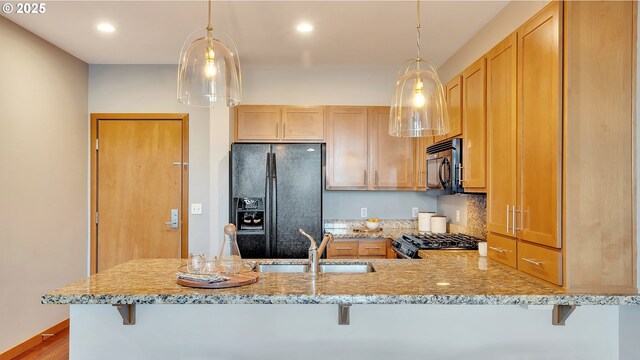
pixel 424 221
pixel 438 224
pixel 482 248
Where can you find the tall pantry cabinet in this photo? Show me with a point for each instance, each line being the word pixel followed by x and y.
pixel 561 194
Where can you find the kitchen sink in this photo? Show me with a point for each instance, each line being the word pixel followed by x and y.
pixel 282 268
pixel 329 268
pixel 346 268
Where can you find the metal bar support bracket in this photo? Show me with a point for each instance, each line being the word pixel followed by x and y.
pixel 128 313
pixel 343 314
pixel 561 314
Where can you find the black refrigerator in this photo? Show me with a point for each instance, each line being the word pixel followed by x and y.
pixel 276 189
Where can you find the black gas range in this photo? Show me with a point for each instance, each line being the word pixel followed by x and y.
pixel 407 245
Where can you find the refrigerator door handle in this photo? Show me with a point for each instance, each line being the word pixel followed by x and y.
pixel 267 223
pixel 274 210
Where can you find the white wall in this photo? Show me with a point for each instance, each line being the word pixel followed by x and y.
pixel 43 181
pixel 152 89
pixel 630 315
pixel 509 19
pixel 380 204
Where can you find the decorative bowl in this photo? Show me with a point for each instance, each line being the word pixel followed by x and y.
pixel 372 225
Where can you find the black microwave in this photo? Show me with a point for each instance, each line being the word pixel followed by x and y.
pixel 444 168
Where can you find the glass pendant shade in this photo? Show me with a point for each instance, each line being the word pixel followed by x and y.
pixel 209 72
pixel 419 108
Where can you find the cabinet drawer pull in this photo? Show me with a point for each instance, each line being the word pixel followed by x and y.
pixel 344 249
pixel 536 263
pixel 372 247
pixel 501 251
pixel 366 179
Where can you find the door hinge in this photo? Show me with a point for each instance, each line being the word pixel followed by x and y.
pixel 97 144
pixel 96 217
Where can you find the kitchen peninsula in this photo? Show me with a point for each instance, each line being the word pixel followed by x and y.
pixel 285 312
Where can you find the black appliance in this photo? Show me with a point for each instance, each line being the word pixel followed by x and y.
pixel 407 245
pixel 276 189
pixel 444 168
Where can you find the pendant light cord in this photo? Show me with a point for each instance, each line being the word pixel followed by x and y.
pixel 418 32
pixel 209 28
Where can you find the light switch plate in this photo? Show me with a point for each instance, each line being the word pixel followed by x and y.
pixel 414 212
pixel 363 212
pixel 196 209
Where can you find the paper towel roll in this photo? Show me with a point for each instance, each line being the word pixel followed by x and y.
pixel 424 221
pixel 438 224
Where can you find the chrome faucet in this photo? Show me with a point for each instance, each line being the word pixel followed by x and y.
pixel 316 252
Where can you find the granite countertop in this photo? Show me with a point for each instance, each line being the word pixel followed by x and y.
pixel 390 229
pixel 444 277
pixel 386 233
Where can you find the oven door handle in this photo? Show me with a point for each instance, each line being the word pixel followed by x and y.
pixel 400 254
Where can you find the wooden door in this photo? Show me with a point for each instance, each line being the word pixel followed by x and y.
pixel 422 144
pixel 140 176
pixel 391 157
pixel 501 136
pixel 258 123
pixel 303 123
pixel 347 148
pixel 474 155
pixel 539 127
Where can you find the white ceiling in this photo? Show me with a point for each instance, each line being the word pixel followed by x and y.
pixel 371 34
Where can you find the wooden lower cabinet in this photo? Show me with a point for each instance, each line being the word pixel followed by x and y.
pixel 502 249
pixel 342 249
pixel 541 262
pixel 366 248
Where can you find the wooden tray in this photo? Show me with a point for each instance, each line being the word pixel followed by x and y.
pixel 367 230
pixel 245 278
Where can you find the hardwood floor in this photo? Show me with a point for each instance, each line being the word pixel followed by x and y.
pixel 54 348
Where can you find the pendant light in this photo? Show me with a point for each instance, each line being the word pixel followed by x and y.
pixel 209 70
pixel 419 107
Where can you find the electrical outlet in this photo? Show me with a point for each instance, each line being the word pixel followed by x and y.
pixel 457 216
pixel 196 209
pixel 363 212
pixel 414 212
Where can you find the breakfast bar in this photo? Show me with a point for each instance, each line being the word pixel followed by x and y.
pixel 397 299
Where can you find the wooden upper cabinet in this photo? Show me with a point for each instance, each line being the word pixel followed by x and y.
pixel 422 144
pixel 274 123
pixel 453 92
pixel 539 106
pixel 501 136
pixel 347 148
pixel 257 123
pixel 474 154
pixel 391 157
pixel 303 123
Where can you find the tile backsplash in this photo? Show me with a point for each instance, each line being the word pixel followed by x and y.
pixel 473 214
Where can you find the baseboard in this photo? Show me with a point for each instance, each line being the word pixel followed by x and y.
pixel 33 341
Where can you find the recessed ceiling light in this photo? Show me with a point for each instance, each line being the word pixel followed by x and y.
pixel 443 284
pixel 304 27
pixel 106 27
